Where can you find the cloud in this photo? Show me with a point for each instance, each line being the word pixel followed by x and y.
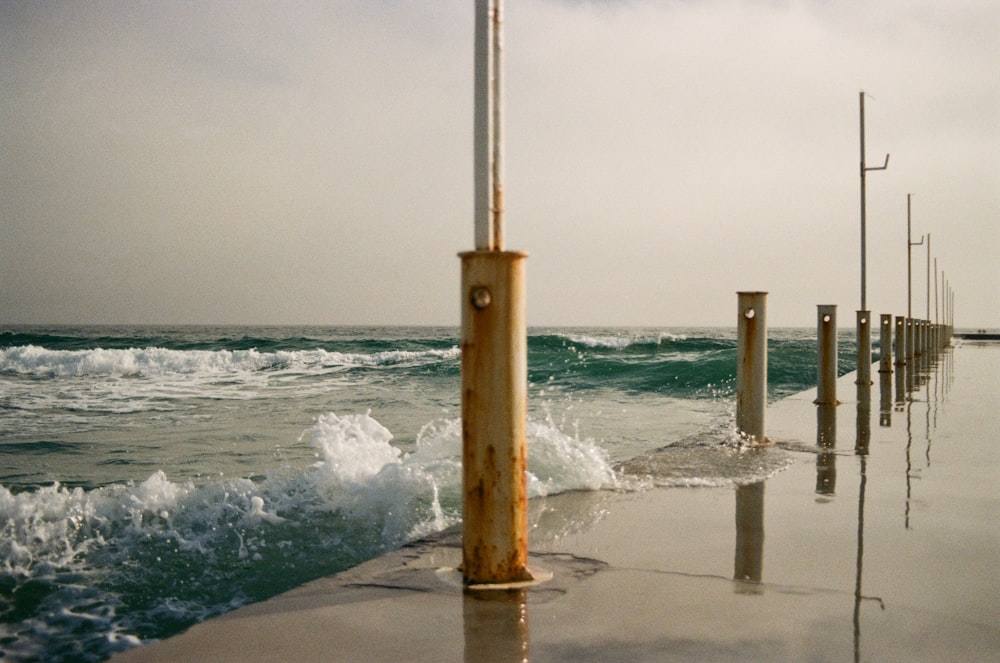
pixel 312 161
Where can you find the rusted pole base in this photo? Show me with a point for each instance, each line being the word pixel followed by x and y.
pixel 494 418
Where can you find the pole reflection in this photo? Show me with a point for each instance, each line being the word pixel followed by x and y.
pixel 885 400
pixel 826 440
pixel 749 557
pixel 495 623
pixel 861 448
pixel 863 428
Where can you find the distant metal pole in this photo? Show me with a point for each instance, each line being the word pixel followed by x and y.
pixel 751 365
pixel 864 315
pixel 928 276
pixel 937 320
pixel 909 279
pixel 928 333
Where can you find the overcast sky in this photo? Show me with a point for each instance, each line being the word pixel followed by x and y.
pixel 311 162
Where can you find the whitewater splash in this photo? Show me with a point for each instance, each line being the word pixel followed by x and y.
pixel 86 573
pixel 31 360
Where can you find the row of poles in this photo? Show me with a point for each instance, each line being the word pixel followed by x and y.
pixel 914 338
pixel 944 322
pixel 494 345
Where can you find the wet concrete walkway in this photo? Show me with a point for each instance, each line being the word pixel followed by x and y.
pixel 879 542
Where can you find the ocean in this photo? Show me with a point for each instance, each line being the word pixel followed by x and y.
pixel 155 477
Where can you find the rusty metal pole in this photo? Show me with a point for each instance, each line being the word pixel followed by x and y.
pixel 826 373
pixel 494 418
pixel 885 344
pixel 494 349
pixel 900 340
pixel 751 365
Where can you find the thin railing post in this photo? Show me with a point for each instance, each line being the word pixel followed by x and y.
pixel 826 372
pixel 751 365
pixel 885 344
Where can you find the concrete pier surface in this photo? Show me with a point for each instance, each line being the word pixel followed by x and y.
pixel 880 541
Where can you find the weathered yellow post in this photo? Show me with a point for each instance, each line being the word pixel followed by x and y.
pixel 494 348
pixel 494 416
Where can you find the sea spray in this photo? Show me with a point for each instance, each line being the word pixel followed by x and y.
pixel 140 561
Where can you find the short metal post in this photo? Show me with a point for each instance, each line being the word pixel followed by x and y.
pixel 918 337
pixel 864 347
pixel 826 374
pixel 909 339
pixel 900 340
pixel 885 344
pixel 494 418
pixel 751 365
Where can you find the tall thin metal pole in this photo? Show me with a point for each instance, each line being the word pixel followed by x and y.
pixel 863 327
pixel 937 320
pixel 488 126
pixel 909 260
pixel 494 350
pixel 864 169
pixel 864 293
pixel 928 276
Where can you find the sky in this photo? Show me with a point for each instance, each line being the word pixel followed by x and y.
pixel 261 162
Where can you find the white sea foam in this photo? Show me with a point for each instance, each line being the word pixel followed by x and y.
pixel 361 497
pixel 145 362
pixel 623 340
